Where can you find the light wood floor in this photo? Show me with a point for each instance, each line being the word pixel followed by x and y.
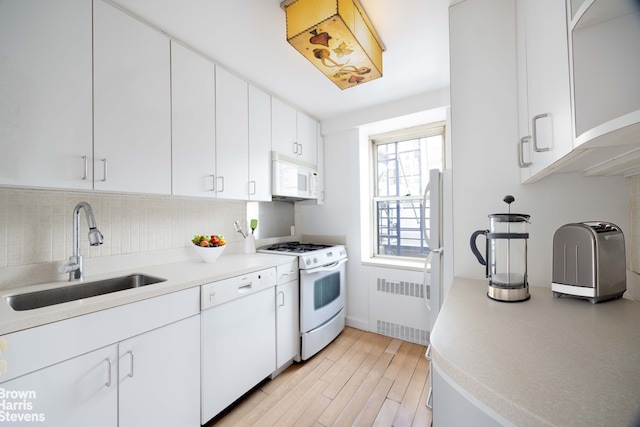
pixel 361 379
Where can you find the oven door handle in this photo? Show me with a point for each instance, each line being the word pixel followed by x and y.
pixel 329 267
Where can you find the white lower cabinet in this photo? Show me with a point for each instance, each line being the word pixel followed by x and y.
pixel 150 379
pixel 452 406
pixel 78 392
pixel 159 376
pixel 287 315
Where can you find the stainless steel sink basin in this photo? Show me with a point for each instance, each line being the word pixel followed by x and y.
pixel 31 300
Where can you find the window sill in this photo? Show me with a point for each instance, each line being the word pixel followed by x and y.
pixel 398 264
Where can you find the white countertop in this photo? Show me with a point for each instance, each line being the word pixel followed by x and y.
pixel 543 362
pixel 179 275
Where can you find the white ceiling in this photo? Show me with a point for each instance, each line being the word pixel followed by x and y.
pixel 248 38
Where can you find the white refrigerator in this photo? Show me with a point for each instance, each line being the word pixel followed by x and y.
pixel 438 268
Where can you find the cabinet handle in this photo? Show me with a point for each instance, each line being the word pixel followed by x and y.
pixel 429 402
pixel 213 182
pixel 130 352
pixel 534 133
pixel 86 168
pixel 104 170
pixel 427 355
pixel 521 162
pixel 282 294
pixel 221 178
pixel 300 152
pixel 295 148
pixel 252 188
pixel 108 383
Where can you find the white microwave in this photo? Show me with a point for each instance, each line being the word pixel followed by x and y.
pixel 293 178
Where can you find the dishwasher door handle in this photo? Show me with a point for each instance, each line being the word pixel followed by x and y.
pixel 245 288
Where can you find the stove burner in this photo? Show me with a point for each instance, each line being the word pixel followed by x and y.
pixel 295 247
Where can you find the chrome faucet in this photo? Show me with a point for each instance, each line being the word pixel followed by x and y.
pixel 74 266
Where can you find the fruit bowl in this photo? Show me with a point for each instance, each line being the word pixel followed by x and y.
pixel 209 254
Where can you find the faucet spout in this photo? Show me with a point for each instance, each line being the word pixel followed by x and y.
pixel 74 267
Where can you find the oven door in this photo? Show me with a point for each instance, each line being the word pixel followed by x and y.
pixel 322 294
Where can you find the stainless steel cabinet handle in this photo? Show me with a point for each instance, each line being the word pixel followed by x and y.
pixel 252 188
pixel 535 134
pixel 295 148
pixel 104 170
pixel 221 178
pixel 427 355
pixel 429 402
pixel 108 383
pixel 282 294
pixel 300 152
pixel 84 178
pixel 521 162
pixel 130 352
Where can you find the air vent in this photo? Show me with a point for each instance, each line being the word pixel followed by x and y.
pixel 409 289
pixel 405 333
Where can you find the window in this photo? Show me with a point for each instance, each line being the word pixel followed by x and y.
pixel 401 164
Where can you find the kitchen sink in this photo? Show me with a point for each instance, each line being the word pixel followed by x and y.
pixel 31 300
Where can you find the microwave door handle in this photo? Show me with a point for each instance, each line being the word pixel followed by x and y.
pixel 330 267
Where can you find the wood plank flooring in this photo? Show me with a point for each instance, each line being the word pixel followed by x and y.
pixel 360 379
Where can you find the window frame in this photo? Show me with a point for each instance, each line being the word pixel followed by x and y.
pixel 423 131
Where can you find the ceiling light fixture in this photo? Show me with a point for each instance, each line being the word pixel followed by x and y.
pixel 337 37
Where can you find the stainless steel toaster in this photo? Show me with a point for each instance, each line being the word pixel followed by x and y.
pixel 589 261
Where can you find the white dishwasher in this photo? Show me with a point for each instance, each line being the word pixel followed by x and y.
pixel 238 338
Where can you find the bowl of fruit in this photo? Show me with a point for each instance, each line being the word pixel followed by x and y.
pixel 209 247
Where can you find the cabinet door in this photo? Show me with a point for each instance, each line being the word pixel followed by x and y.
pixel 232 136
pixel 287 322
pixel 284 138
pixel 79 392
pixel 132 117
pixel 45 94
pixel 524 142
pixel 193 123
pixel 159 376
pixel 259 145
pixel 547 73
pixel 307 138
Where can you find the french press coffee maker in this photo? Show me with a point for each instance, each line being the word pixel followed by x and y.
pixel 505 255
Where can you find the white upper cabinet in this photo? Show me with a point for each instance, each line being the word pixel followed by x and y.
pixel 232 136
pixel 45 94
pixel 193 123
pixel 259 145
pixel 283 128
pixel 544 97
pixel 293 132
pixel 600 47
pixel 604 40
pixel 132 107
pixel 307 131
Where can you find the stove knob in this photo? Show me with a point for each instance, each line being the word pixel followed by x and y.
pixel 308 261
pixel 315 260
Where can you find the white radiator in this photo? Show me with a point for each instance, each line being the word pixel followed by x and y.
pixel 399 310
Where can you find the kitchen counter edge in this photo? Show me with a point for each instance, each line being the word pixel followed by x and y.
pixel 543 362
pixel 179 276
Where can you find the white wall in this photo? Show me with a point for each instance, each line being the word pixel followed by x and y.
pixel 484 133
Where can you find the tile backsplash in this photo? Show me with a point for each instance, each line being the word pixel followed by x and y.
pixel 36 225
